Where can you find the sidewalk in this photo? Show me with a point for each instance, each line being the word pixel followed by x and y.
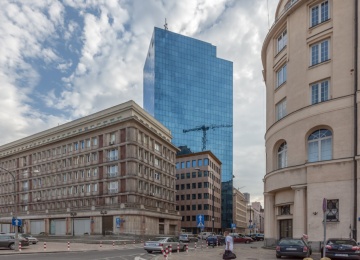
pixel 54 247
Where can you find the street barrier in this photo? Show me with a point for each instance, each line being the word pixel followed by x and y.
pixel 44 246
pixel 68 245
pixel 100 243
pixel 170 249
pixel 19 247
pixel 187 249
pixel 178 248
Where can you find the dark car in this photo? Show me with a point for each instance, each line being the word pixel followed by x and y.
pixel 8 241
pixel 215 240
pixel 257 237
pixel 340 248
pixel 296 247
pixel 242 239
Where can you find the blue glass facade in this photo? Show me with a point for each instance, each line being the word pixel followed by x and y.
pixel 189 90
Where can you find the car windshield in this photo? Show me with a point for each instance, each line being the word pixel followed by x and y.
pixel 294 242
pixel 159 239
pixel 183 235
pixel 342 242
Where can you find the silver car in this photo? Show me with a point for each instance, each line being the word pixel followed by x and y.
pixel 32 240
pixel 160 243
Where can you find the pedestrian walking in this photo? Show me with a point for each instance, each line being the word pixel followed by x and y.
pixel 229 246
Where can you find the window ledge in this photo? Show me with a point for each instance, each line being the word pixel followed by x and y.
pixel 278 87
pixel 279 52
pixel 319 64
pixel 319 24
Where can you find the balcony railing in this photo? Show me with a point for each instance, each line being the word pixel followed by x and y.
pixel 113 190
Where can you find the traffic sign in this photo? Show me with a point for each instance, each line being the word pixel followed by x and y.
pixel 200 221
pixel 16 222
pixel 118 222
pixel 233 226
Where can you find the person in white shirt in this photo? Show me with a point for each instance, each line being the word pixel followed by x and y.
pixel 229 241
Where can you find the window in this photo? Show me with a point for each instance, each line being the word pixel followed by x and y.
pixel 177 165
pixel 193 185
pixel 193 196
pixel 319 92
pixel 282 155
pixel 193 207
pixel 285 210
pixel 193 163
pixel 206 162
pixel 319 52
pixel 193 174
pixel 187 164
pixel 281 76
pixel 320 145
pixel 182 197
pixel 199 196
pixel 113 187
pixel 199 174
pixel 183 176
pixel 319 13
pixel 199 162
pixel 157 147
pixel 281 109
pixel 332 211
pixel 282 41
pixel 188 175
pixel 188 186
pixel 199 185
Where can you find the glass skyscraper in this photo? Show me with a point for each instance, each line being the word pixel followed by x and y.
pixel 189 90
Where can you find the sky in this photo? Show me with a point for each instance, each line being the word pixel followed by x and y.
pixel 62 60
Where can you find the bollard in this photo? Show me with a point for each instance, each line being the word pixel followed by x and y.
pixel 134 241
pixel 207 244
pixel 68 245
pixel 44 246
pixel 113 244
pixel 195 245
pixel 20 247
pixel 170 250
pixel 100 243
pixel 178 248
pixel 217 243
pixel 187 249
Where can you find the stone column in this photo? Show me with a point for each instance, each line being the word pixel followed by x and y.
pixel 269 219
pixel 299 211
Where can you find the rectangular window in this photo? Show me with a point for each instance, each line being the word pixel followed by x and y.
pixel 193 196
pixel 193 207
pixel 200 162
pixel 281 109
pixel 332 211
pixel 193 174
pixel 193 163
pixel 183 176
pixel 320 92
pixel 281 76
pixel 319 13
pixel 282 41
pixel 177 165
pixel 319 52
pixel 188 164
pixel 188 175
pixel 182 165
pixel 206 162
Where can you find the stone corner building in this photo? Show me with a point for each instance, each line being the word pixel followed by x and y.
pixel 109 172
pixel 310 59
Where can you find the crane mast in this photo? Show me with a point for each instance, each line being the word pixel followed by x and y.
pixel 204 129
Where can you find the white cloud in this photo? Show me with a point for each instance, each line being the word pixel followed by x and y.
pixel 108 69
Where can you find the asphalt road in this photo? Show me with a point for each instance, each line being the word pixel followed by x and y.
pixel 124 254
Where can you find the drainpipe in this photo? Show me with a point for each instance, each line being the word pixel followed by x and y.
pixel 355 117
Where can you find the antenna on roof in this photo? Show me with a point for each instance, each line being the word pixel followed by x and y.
pixel 165 25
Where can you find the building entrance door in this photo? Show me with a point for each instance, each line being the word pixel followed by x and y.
pixel 285 228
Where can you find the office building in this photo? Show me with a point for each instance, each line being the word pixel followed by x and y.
pixel 190 90
pixel 107 173
pixel 310 58
pixel 198 187
pixel 239 212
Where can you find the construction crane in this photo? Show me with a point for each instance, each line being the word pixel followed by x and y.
pixel 205 128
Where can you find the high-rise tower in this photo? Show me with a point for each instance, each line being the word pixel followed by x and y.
pixel 190 91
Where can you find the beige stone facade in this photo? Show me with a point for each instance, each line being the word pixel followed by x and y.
pixel 198 186
pixel 310 60
pixel 239 212
pixel 86 175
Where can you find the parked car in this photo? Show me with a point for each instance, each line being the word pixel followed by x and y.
pixel 32 240
pixel 296 247
pixel 215 240
pixel 188 238
pixel 242 239
pixel 339 248
pixel 159 243
pixel 8 241
pixel 205 235
pixel 257 236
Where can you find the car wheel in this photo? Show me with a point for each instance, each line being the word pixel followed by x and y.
pixel 278 256
pixel 12 246
pixel 149 251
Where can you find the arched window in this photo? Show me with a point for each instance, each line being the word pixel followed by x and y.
pixel 282 156
pixel 320 146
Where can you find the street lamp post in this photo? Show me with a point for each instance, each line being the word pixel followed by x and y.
pixel 213 202
pixel 73 215
pixel 15 209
